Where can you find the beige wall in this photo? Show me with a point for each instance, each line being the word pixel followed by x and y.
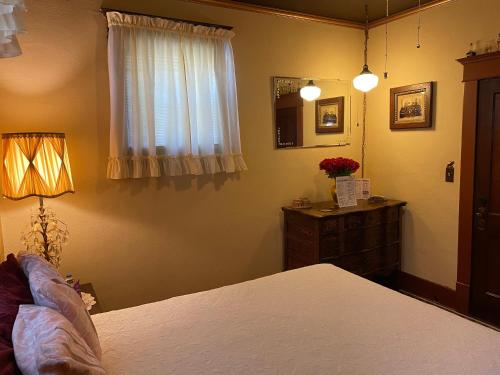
pixel 146 240
pixel 410 165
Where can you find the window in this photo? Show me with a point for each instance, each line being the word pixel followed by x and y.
pixel 173 99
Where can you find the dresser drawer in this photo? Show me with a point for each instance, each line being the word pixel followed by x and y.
pixel 353 263
pixel 331 226
pixel 330 246
pixel 391 232
pixel 374 217
pixel 371 261
pixel 302 227
pixel 363 239
pixel 389 255
pixel 374 236
pixel 354 221
pixel 354 241
pixel 302 249
pixel 391 214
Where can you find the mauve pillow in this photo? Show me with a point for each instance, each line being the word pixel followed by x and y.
pixel 56 294
pixel 14 291
pixel 34 263
pixel 45 342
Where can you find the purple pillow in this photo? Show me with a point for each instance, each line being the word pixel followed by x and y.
pixel 47 343
pixel 49 289
pixel 14 291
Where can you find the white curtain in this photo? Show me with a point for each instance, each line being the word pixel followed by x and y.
pixel 173 99
pixel 9 27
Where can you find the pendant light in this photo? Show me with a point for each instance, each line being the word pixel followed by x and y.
pixel 310 91
pixel 366 80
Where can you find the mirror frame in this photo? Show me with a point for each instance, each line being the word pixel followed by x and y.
pixel 347 126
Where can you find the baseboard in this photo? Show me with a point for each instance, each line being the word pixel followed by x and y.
pixel 463 293
pixel 427 289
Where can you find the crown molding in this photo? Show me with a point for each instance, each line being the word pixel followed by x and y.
pixel 310 17
pixel 406 13
pixel 278 12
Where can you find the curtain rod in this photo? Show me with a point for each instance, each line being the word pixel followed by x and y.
pixel 196 23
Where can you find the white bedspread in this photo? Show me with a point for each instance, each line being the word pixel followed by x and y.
pixel 315 320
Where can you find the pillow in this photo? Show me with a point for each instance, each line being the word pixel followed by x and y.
pixel 56 294
pixel 34 263
pixel 45 342
pixel 14 291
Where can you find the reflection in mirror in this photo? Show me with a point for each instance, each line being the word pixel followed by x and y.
pixel 325 121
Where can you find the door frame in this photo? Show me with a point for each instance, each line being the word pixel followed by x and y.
pixel 475 68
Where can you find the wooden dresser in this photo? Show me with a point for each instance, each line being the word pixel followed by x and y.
pixel 365 240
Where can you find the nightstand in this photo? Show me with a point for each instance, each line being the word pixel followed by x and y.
pixel 88 288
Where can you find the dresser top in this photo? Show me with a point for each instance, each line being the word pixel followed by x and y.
pixel 363 205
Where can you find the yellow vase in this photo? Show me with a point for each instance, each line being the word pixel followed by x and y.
pixel 333 190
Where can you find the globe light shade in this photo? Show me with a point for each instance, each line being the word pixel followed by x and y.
pixel 366 80
pixel 310 92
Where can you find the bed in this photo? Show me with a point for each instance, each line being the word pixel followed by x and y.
pixel 314 320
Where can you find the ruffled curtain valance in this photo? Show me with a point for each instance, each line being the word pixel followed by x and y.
pixel 137 167
pixel 173 99
pixel 10 25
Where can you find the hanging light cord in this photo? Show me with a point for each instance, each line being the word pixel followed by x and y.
pixel 366 34
pixel 418 27
pixel 363 140
pixel 386 74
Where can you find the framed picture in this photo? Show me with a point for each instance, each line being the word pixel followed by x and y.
pixel 411 106
pixel 330 115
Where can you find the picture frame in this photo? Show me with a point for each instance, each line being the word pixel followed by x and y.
pixel 330 115
pixel 411 106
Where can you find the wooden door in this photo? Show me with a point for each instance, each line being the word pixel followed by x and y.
pixel 485 282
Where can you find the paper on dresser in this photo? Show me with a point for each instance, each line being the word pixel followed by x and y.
pixel 346 191
pixel 363 188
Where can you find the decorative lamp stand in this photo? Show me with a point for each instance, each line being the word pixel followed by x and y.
pixel 46 235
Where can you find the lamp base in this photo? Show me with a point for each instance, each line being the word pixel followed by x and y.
pixel 42 220
pixel 46 235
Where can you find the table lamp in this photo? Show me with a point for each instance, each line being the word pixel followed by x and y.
pixel 37 165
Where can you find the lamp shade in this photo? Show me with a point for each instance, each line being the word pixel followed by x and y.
pixel 365 81
pixel 310 91
pixel 35 164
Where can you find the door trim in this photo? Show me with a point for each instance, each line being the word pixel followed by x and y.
pixel 475 69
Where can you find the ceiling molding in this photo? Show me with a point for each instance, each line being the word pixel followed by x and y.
pixel 278 12
pixel 406 13
pixel 310 17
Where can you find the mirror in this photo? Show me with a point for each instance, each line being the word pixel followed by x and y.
pixel 321 122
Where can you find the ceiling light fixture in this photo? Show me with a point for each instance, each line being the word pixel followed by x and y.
pixel 366 80
pixel 310 91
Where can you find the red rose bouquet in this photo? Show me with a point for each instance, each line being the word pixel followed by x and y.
pixel 336 167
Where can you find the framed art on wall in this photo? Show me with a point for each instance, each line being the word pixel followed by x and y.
pixel 330 115
pixel 411 106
